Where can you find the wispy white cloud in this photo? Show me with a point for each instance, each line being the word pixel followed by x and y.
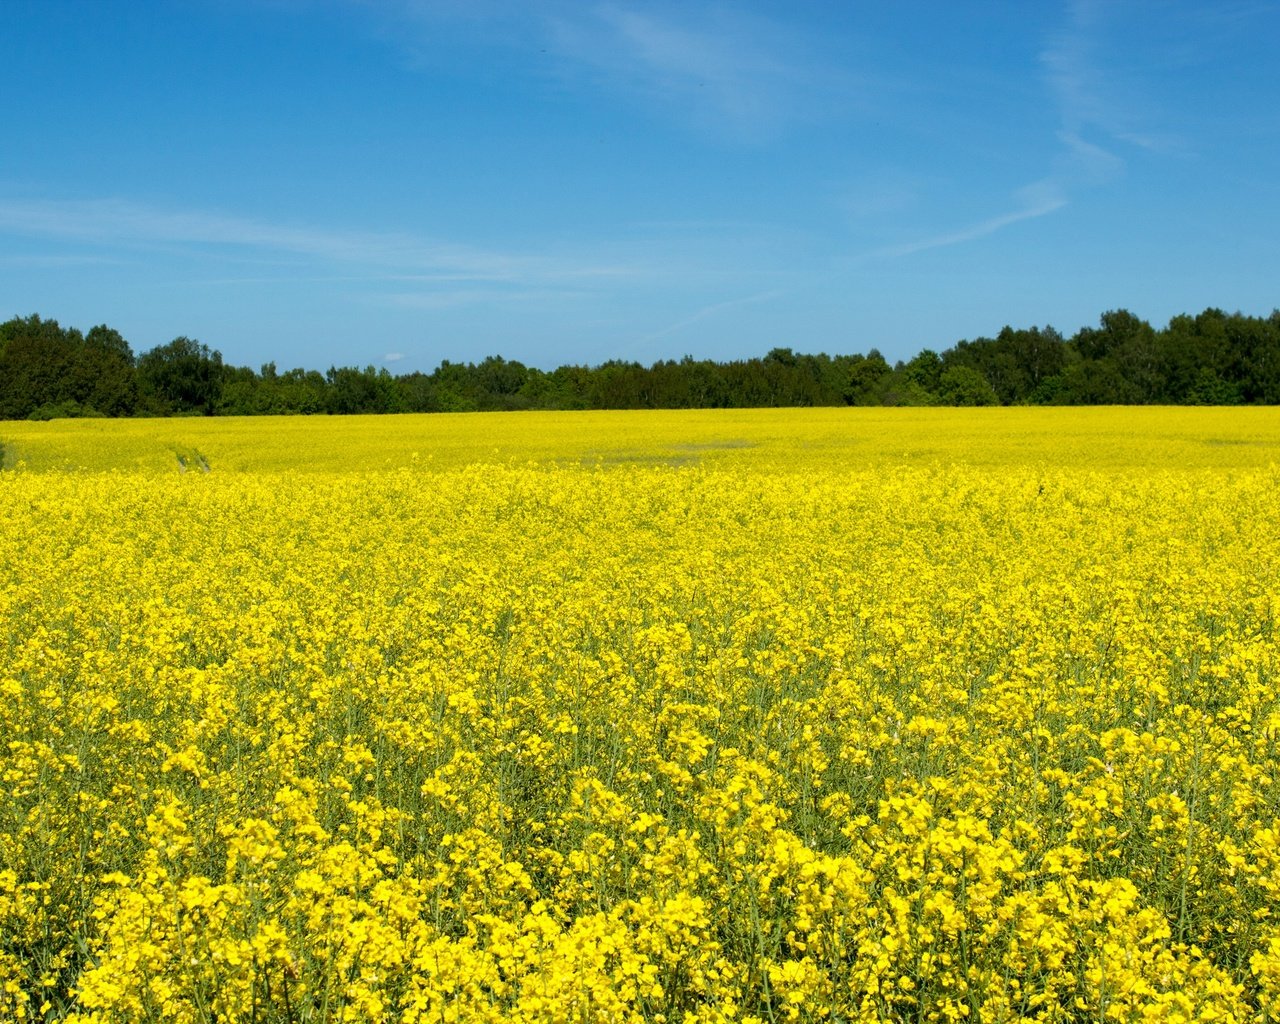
pixel 393 357
pixel 707 312
pixel 401 271
pixel 1099 108
pixel 719 68
pixel 118 224
pixel 43 261
pixel 1036 201
pixel 450 298
pixel 1096 121
pixel 1082 161
pixel 879 196
pixel 731 74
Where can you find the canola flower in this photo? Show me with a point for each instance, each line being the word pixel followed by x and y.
pixel 757 719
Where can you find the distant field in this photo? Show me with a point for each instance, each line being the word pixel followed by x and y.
pixel 820 715
pixel 772 439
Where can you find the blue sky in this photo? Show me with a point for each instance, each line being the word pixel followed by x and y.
pixel 397 182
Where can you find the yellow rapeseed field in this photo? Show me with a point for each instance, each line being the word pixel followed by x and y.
pixel 831 715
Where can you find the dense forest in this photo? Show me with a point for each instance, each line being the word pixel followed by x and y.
pixel 1215 358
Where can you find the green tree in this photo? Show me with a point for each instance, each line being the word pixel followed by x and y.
pixel 865 374
pixel 183 376
pixel 925 371
pixel 1095 382
pixel 104 373
pixel 243 393
pixel 963 385
pixel 416 393
pixel 1023 360
pixel 454 387
pixel 300 391
pixel 617 385
pixel 36 357
pixel 370 390
pixel 1126 346
pixel 499 383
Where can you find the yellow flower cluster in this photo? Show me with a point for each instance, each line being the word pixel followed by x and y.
pixel 799 718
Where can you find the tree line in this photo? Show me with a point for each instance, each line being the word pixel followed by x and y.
pixel 1214 358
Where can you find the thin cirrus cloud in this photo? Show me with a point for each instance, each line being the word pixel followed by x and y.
pixel 54 261
pixel 122 225
pixel 447 298
pixel 1095 118
pixel 1037 201
pixel 1098 111
pixel 712 310
pixel 733 75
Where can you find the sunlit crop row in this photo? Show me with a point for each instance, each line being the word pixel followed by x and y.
pixel 641 739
